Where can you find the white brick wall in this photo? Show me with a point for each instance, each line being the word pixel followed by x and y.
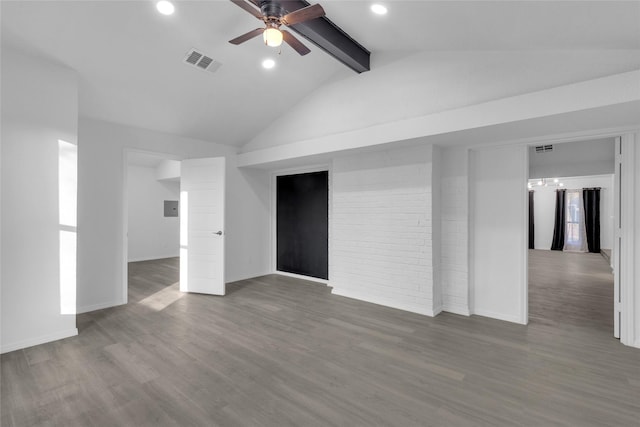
pixel 381 231
pixel 436 241
pixel 454 249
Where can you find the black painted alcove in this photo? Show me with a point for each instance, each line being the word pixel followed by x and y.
pixel 303 224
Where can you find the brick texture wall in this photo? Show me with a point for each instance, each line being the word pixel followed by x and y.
pixel 381 231
pixel 454 249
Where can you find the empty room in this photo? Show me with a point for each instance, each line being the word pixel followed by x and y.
pixel 343 213
pixel 572 218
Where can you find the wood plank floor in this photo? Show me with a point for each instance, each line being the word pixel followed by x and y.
pixel 569 287
pixel 278 351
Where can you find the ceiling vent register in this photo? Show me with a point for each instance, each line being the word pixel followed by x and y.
pixel 202 61
pixel 544 148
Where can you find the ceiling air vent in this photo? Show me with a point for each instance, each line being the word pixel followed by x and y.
pixel 202 61
pixel 544 148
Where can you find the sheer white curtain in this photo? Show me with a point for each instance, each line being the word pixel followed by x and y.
pixel 575 235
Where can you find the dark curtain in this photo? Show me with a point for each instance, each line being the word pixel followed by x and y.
pixel 591 197
pixel 531 227
pixel 558 229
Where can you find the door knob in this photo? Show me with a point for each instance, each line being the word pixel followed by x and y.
pixel 219 233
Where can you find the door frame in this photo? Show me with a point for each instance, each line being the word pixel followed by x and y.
pixel 626 259
pixel 323 167
pixel 125 212
pixel 624 264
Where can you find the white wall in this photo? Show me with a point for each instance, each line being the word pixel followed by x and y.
pixel 101 208
pixel 168 170
pixel 582 158
pixel 381 229
pixel 544 205
pixel 454 223
pixel 39 107
pixel 436 228
pixel 564 111
pixel 544 202
pixel 151 235
pixel 430 82
pixel 498 244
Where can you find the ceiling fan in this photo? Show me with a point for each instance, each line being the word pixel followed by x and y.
pixel 273 15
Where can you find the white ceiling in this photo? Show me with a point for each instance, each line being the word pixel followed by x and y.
pixel 129 57
pixel 147 160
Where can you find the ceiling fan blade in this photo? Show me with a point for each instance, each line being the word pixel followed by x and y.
pixel 304 14
pixel 248 36
pixel 246 6
pixel 295 43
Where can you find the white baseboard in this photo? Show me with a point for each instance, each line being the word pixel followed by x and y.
pixel 499 316
pixel 302 277
pixel 382 301
pixel 457 309
pixel 99 306
pixel 245 277
pixel 437 310
pixel 152 258
pixel 6 348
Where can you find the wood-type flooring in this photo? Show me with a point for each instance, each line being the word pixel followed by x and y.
pixel 278 351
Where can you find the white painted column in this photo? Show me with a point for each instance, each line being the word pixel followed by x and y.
pixel 498 246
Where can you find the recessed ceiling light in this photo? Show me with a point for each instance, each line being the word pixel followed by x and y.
pixel 378 9
pixel 268 64
pixel 165 7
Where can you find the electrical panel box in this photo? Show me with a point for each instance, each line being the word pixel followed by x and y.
pixel 170 208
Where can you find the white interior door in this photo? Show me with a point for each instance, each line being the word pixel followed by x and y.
pixel 202 189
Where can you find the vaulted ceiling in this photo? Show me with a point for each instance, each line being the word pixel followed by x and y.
pixel 130 65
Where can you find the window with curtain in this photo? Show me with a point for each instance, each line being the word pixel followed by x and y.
pixel 575 236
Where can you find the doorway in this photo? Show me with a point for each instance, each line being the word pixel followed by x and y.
pixel 302 224
pixel 174 216
pixel 571 238
pixel 152 224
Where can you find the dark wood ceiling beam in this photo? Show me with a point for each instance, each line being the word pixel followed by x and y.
pixel 330 38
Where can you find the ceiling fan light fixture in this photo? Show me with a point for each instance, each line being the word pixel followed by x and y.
pixel 272 37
